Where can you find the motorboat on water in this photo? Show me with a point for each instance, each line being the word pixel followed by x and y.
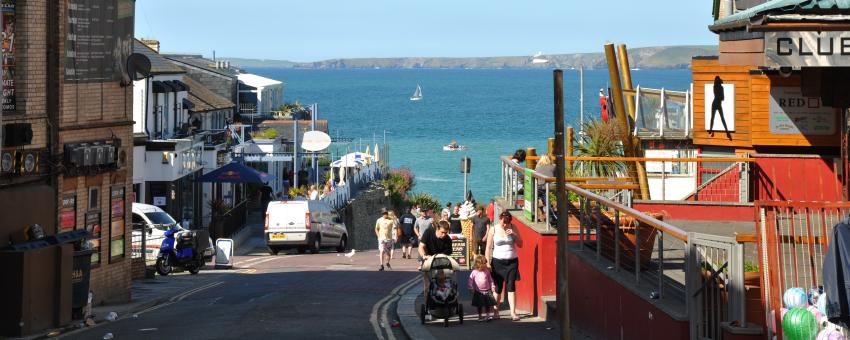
pixel 539 59
pixel 417 95
pixel 454 146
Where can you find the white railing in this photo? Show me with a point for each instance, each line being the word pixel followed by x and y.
pixel 359 179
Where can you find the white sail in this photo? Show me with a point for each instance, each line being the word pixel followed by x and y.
pixel 417 95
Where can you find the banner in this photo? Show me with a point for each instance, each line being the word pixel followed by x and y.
pixel 99 39
pixel 8 36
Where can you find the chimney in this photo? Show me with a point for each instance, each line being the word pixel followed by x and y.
pixel 151 43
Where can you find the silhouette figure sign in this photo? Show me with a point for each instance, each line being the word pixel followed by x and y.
pixel 719 106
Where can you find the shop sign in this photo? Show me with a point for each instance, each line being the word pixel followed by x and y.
pixel 159 201
pixel 8 37
pixel 459 250
pixel 68 214
pixel 719 106
pixel 807 49
pixel 99 39
pixel 792 114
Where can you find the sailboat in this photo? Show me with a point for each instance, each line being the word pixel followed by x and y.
pixel 417 95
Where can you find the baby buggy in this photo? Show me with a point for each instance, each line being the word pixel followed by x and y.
pixel 441 301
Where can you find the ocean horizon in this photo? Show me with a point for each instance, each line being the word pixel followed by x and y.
pixel 491 111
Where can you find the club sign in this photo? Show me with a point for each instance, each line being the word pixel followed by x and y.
pixel 807 49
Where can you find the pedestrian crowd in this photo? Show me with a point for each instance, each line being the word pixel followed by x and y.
pixel 494 245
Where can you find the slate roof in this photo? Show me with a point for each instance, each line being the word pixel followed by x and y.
pixel 159 65
pixel 784 7
pixel 203 63
pixel 203 99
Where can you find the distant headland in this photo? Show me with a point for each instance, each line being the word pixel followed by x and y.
pixel 661 57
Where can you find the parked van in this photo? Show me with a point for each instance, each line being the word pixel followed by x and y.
pixel 156 221
pixel 303 225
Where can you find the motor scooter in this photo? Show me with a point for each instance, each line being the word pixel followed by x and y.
pixel 179 249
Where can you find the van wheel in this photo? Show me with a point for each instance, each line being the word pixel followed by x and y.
pixel 343 243
pixel 273 250
pixel 317 245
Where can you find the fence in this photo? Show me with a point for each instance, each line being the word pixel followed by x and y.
pixel 703 272
pixel 356 179
pixel 792 239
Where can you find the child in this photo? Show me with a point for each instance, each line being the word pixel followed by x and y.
pixel 481 284
pixel 442 287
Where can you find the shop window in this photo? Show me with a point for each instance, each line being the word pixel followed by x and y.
pixel 68 213
pixel 116 224
pixel 93 227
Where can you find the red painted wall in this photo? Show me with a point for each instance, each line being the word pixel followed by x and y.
pixel 606 310
pixel 537 268
pixel 795 178
pixel 699 212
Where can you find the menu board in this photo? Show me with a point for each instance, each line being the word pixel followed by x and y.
pixel 99 39
pixel 459 250
pixel 792 114
pixel 8 46
pixel 68 214
pixel 116 225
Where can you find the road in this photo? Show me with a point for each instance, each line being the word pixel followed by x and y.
pixel 290 296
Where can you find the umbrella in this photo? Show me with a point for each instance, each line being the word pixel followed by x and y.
pixel 377 153
pixel 341 176
pixel 346 163
pixel 236 173
pixel 368 160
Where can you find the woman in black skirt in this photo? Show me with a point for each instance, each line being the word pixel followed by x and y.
pixel 502 254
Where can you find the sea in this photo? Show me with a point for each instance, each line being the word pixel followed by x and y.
pixel 492 111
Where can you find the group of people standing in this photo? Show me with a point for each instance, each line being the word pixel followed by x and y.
pixel 496 263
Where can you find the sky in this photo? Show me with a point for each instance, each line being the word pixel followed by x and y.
pixel 312 30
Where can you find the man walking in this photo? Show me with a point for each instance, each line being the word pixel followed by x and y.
pixel 480 230
pixel 423 223
pixel 384 231
pixel 408 236
pixel 447 210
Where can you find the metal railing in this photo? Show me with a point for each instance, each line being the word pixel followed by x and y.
pixel 792 238
pixel 359 178
pixel 703 272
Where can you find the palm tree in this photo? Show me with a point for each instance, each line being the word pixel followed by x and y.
pixel 601 139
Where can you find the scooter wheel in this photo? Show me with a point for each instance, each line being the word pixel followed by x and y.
pixel 194 269
pixel 162 268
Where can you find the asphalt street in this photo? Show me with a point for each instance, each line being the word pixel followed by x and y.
pixel 327 295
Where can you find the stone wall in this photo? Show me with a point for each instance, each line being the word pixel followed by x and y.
pixel 360 216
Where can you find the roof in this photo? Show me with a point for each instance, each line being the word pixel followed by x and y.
pixel 203 63
pixel 257 81
pixel 781 7
pixel 204 99
pixel 159 65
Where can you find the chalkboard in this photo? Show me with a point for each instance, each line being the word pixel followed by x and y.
pixel 459 250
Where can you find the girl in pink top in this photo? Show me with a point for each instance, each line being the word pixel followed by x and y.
pixel 481 285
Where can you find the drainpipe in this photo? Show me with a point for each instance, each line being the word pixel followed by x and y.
pixel 155 116
pixel 148 87
pixel 176 91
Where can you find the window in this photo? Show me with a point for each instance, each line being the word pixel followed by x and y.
pixel 116 225
pixel 94 198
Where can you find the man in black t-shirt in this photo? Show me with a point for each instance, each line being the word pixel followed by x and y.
pixel 408 237
pixel 434 241
pixel 480 230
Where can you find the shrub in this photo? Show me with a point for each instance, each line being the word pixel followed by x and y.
pixel 399 182
pixel 425 201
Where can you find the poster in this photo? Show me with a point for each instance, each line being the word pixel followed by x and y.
pixel 528 194
pixel 8 37
pixel 793 114
pixel 93 227
pixel 720 104
pixel 99 40
pixel 159 201
pixel 68 214
pixel 116 225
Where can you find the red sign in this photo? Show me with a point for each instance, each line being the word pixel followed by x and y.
pixel 67 220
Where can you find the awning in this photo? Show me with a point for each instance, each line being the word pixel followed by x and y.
pixel 236 173
pixel 187 104
pixel 177 86
pixel 160 87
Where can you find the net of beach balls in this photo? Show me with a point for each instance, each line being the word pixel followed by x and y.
pixel 804 316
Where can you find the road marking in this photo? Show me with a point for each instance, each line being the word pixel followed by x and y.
pixel 186 294
pixel 263 259
pixel 373 318
pixel 214 301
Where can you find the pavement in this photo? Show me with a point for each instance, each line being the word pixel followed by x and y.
pixel 528 327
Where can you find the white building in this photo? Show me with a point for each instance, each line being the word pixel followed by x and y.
pixel 269 92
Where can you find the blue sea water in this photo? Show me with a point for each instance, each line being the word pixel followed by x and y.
pixel 493 112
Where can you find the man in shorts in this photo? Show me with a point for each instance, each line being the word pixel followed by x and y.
pixel 408 237
pixel 384 231
pixel 480 230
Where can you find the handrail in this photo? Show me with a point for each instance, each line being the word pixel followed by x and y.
pixel 804 204
pixel 653 159
pixel 641 217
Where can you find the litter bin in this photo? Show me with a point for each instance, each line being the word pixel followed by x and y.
pixel 81 273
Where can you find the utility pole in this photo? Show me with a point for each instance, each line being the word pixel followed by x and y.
pixel 562 293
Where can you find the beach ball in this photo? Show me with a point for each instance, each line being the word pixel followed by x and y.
pixel 799 324
pixel 822 304
pixel 830 334
pixel 795 297
pixel 772 324
pixel 814 310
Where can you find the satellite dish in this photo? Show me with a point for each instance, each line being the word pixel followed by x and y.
pixel 138 66
pixel 315 141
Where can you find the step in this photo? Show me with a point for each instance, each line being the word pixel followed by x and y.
pixel 550 307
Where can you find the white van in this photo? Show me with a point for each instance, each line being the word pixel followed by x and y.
pixel 156 221
pixel 303 224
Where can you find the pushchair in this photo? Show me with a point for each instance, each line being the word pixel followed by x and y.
pixel 442 301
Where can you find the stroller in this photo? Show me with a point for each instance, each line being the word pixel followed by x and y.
pixel 442 300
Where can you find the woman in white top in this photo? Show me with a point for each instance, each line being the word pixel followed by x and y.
pixel 502 245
